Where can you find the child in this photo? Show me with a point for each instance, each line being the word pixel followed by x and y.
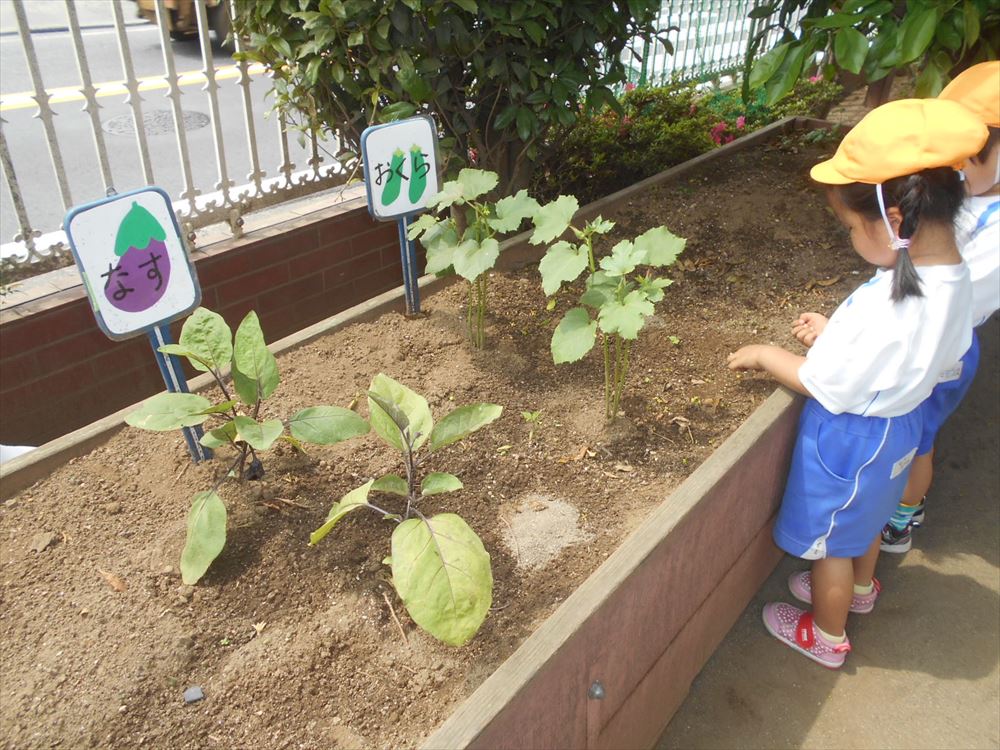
pixel 978 236
pixel 879 356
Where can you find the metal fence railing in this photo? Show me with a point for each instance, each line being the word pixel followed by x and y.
pixel 710 42
pixel 153 112
pixel 176 115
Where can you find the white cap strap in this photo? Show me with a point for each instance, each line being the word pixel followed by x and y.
pixel 895 242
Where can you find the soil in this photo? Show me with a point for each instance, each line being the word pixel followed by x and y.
pixel 298 647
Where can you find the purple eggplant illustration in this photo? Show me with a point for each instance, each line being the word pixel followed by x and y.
pixel 141 273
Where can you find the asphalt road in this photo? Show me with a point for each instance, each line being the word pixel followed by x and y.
pixel 58 67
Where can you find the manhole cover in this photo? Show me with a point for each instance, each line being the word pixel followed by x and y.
pixel 157 122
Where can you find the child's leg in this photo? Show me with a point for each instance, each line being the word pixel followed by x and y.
pixel 864 566
pixel 921 474
pixel 832 591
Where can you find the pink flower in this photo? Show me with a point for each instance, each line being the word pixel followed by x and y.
pixel 741 122
pixel 630 87
pixel 815 79
pixel 729 138
pixel 717 132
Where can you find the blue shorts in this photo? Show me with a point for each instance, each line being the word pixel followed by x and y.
pixel 848 473
pixel 946 396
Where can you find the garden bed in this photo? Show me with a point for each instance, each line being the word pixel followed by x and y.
pixel 297 646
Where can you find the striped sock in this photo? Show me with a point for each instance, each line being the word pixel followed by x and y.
pixel 902 516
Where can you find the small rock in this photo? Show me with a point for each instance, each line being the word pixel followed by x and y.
pixel 185 592
pixel 122 709
pixel 193 694
pixel 113 509
pixel 43 540
pixel 168 570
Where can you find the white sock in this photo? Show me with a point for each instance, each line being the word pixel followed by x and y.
pixel 864 590
pixel 832 638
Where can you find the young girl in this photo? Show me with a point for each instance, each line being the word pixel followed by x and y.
pixel 978 236
pixel 879 356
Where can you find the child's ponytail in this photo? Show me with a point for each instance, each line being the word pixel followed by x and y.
pixel 932 196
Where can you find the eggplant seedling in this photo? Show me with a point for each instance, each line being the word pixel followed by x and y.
pixel 440 568
pixel 209 345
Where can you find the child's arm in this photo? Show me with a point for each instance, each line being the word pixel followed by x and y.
pixel 808 326
pixel 781 365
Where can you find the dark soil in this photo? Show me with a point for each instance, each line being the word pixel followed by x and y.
pixel 296 647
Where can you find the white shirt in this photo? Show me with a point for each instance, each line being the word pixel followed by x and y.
pixel 977 232
pixel 881 358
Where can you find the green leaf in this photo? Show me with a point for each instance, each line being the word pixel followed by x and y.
pixel 476 182
pixel 356 38
pixel 253 359
pixel 916 32
pixel 600 289
pixel 659 246
pixel 412 405
pixel 441 571
pixel 467 5
pixel 970 15
pixel 850 48
pixel 512 210
pixel 574 336
pixel 397 111
pixel 391 483
pixel 625 318
pixel 836 21
pixel 600 225
pixel 625 256
pixel 438 482
pixel 440 258
pixel 206 536
pixel 461 422
pixel 563 262
pixel 930 81
pixel 767 65
pixel 258 435
pixel 326 425
pixel 169 411
pixel 246 387
pixel 180 351
pixel 450 193
pixel 356 498
pixel 652 289
pixel 220 408
pixel 471 259
pixel 525 120
pixel 424 223
pixel 787 75
pixel 552 219
pixel 220 436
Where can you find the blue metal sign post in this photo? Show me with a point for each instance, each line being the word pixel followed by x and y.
pixel 173 378
pixel 400 163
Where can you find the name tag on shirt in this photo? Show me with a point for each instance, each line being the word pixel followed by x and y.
pixel 952 373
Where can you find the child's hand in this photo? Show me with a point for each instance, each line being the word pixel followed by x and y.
pixel 746 358
pixel 808 327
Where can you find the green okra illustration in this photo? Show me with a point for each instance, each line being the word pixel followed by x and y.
pixel 395 181
pixel 418 173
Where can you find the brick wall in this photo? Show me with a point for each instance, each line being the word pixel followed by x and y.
pixel 58 372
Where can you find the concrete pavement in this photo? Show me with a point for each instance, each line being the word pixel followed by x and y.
pixel 925 669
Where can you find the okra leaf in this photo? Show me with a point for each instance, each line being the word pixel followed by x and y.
pixel 476 182
pixel 169 411
pixel 574 336
pixel 421 225
pixel 438 482
pixel 220 436
pixel 512 210
pixel 442 573
pixel 356 498
pixel 625 318
pixel 552 219
pixel 625 256
pixel 258 435
pixel 600 289
pixel 326 425
pixel 600 225
pixel 563 262
pixel 412 405
pixel 392 483
pixel 652 289
pixel 461 422
pixel 451 193
pixel 472 259
pixel 252 357
pixel 206 536
pixel 659 247
pixel 439 257
pixel 206 335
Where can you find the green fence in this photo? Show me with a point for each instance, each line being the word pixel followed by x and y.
pixel 711 42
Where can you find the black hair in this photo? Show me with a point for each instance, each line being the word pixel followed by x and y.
pixel 931 196
pixel 991 142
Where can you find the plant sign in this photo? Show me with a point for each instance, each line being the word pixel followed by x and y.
pixel 401 175
pixel 137 274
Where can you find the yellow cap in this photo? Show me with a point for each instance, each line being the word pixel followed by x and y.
pixel 978 89
pixel 901 138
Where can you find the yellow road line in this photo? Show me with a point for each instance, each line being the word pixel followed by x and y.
pixel 65 94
